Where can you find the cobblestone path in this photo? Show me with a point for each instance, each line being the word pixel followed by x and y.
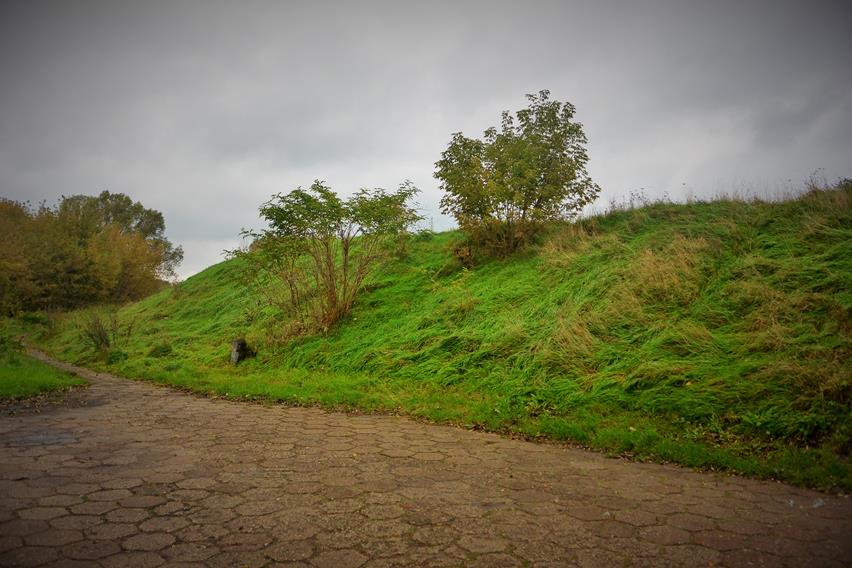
pixel 145 476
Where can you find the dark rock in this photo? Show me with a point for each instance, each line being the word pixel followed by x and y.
pixel 240 350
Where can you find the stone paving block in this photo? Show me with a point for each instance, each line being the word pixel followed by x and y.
pixel 133 560
pixel 108 495
pixel 59 500
pixel 28 556
pixel 148 541
pixel 346 558
pixel 665 535
pixel 55 538
pixel 93 507
pixel 91 549
pixel 42 513
pixel 111 531
pixel 22 527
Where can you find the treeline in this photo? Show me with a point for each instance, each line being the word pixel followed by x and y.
pixel 84 250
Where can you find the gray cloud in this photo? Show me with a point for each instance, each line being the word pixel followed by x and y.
pixel 203 110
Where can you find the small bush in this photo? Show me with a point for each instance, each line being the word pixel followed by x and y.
pixel 10 349
pixel 116 356
pixel 464 255
pixel 424 235
pixel 36 318
pixel 103 334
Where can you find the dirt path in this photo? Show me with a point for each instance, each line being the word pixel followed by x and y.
pixel 143 475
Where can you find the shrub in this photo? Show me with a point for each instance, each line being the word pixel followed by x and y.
pixel 10 349
pixel 502 189
pixel 320 248
pixel 103 334
pixel 36 318
pixel 116 356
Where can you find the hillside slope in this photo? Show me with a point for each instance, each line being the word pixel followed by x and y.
pixel 717 335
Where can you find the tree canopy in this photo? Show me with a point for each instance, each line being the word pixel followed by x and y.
pixel 533 169
pixel 84 250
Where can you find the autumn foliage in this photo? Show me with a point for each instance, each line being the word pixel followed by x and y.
pixel 84 250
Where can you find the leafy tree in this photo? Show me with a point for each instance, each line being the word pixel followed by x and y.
pixel 83 251
pixel 85 215
pixel 16 280
pixel 532 170
pixel 321 248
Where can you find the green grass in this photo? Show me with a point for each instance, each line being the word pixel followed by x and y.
pixel 22 376
pixel 716 335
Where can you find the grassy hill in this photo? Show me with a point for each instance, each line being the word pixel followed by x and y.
pixel 717 335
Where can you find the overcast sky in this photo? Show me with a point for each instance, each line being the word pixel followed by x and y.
pixel 202 110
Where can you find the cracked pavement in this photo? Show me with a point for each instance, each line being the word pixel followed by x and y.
pixel 143 475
